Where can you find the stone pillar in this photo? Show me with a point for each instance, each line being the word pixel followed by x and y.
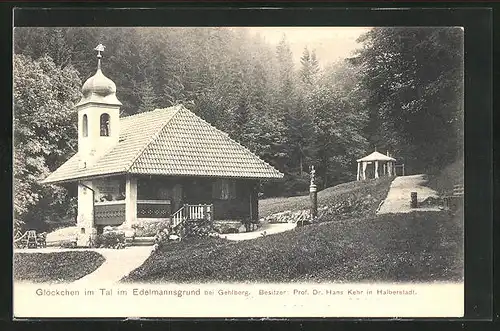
pixel 376 169
pixel 313 193
pixel 130 201
pixel 358 173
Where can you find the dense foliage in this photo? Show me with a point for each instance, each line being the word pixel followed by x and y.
pixel 401 92
pixel 415 79
pixel 44 135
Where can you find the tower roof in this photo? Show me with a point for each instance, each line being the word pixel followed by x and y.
pixel 99 88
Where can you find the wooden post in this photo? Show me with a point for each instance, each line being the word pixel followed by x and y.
pixel 313 193
pixel 414 201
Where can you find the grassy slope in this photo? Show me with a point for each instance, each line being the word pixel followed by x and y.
pixel 58 267
pixel 350 247
pixel 362 190
pixel 421 247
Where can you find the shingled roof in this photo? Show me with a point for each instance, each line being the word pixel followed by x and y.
pixel 171 142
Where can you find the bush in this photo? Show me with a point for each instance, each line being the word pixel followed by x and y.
pixel 198 229
pixel 223 227
pixel 111 239
pixel 149 228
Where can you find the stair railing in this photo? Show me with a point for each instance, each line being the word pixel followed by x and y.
pixel 178 217
pixel 192 212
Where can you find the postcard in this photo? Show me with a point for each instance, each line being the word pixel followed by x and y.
pixel 238 172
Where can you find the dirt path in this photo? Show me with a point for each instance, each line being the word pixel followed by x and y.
pixel 398 198
pixel 119 263
pixel 266 228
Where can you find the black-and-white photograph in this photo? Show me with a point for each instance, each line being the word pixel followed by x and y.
pixel 238 155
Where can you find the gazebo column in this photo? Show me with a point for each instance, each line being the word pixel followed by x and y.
pixel 376 169
pixel 358 173
pixel 364 170
pixel 130 201
pixel 389 168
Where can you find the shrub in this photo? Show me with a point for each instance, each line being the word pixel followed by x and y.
pixel 111 239
pixel 223 227
pixel 198 229
pixel 149 228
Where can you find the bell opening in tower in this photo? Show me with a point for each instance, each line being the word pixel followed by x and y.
pixel 105 125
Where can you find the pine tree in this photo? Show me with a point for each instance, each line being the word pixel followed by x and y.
pixel 147 97
pixel 305 70
pixel 314 65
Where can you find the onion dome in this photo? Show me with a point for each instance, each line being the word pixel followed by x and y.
pixel 99 88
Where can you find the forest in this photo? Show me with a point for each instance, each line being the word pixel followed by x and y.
pixel 401 91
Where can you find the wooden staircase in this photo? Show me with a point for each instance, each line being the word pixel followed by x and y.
pixel 191 213
pixel 187 213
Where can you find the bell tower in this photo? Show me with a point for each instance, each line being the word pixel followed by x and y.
pixel 98 116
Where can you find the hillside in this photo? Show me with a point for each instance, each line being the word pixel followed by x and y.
pixel 368 194
pixel 353 246
pixel 420 247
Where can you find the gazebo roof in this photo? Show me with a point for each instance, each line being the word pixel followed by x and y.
pixel 376 156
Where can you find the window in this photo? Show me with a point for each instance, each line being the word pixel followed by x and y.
pixel 104 125
pixel 224 189
pixel 85 126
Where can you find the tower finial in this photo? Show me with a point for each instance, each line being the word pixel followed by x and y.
pixel 99 48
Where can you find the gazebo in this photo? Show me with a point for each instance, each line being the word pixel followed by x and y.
pixel 371 163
